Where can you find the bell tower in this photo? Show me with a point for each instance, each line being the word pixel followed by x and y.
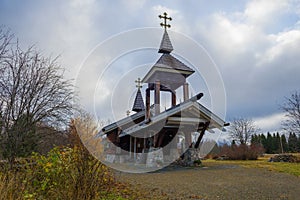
pixel 167 74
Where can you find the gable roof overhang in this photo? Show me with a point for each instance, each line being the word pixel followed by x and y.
pixel 123 122
pixel 185 114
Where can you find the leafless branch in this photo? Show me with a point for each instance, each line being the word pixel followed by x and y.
pixel 291 107
pixel 241 130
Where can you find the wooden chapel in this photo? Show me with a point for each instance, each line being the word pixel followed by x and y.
pixel 150 127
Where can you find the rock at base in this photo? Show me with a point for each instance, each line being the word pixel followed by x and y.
pixel 190 158
pixel 284 158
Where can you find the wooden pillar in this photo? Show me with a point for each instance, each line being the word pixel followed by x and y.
pixel 161 139
pixel 173 98
pixel 185 91
pixel 201 134
pixel 157 97
pixel 144 141
pixel 130 147
pixel 147 114
pixel 134 149
pixel 155 140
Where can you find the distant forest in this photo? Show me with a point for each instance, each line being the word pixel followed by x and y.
pixel 276 143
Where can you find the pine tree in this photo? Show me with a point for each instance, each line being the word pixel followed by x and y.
pixel 263 141
pixel 276 142
pixel 298 145
pixel 284 143
pixel 292 141
pixel 269 143
pixel 254 139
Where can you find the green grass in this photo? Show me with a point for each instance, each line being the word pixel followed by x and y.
pixel 290 168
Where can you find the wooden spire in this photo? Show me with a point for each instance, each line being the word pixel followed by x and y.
pixel 138 104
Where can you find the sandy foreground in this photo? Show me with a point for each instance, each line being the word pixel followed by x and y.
pixel 214 182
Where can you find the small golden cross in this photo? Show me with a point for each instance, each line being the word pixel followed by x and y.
pixel 165 25
pixel 139 83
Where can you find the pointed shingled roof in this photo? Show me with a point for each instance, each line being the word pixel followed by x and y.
pixel 138 102
pixel 165 45
pixel 170 62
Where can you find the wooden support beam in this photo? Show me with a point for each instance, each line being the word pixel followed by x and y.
pixel 185 91
pixel 173 98
pixel 155 139
pixel 157 97
pixel 201 134
pixel 130 147
pixel 160 140
pixel 134 149
pixel 147 114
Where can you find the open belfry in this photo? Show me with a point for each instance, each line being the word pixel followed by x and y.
pixel 169 131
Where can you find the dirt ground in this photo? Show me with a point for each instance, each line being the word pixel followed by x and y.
pixel 219 181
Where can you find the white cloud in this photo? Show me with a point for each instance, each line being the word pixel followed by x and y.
pixel 283 43
pixel 270 123
pixel 231 38
pixel 239 34
pixel 257 51
pixel 263 13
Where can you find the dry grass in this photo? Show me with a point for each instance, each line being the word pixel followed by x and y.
pixel 262 162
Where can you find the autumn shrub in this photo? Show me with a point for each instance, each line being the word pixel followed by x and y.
pixel 242 152
pixel 12 185
pixel 64 173
pixel 69 174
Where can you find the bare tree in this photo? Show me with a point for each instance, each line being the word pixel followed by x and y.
pixel 241 130
pixel 32 90
pixel 87 129
pixel 5 40
pixel 34 85
pixel 291 107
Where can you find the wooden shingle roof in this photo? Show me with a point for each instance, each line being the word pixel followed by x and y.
pixel 170 62
pixel 165 45
pixel 138 102
pixel 169 71
pixel 189 106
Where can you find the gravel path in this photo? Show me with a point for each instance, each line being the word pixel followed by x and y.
pixel 215 182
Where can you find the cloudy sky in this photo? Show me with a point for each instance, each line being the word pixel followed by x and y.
pixel 254 44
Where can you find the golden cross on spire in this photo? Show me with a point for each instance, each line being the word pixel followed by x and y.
pixel 139 83
pixel 165 25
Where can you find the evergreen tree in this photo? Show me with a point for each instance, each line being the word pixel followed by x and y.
pixel 276 143
pixel 284 143
pixel 254 139
pixel 298 145
pixel 269 143
pixel 263 141
pixel 292 142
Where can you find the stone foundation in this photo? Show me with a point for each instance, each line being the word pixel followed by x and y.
pixel 190 158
